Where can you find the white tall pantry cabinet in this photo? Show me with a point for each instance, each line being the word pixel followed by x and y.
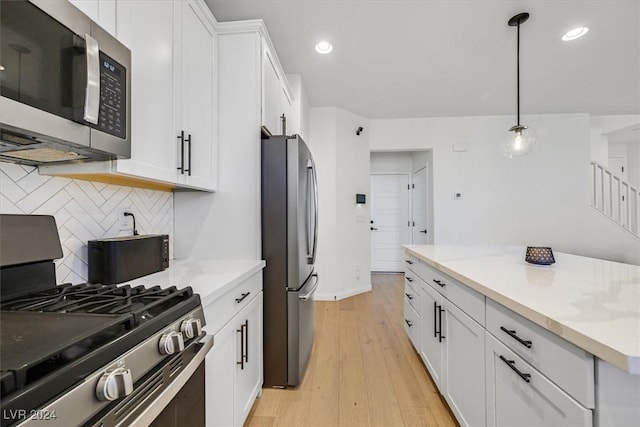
pixel 251 89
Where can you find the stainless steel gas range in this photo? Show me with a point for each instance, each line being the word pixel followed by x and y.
pixel 89 354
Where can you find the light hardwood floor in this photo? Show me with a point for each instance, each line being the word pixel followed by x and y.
pixel 363 369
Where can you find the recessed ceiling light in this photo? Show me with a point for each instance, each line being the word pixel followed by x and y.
pixel 1 68
pixel 324 47
pixel 575 33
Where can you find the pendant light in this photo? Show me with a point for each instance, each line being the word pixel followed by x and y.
pixel 520 139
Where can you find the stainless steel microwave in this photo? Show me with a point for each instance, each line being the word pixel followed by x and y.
pixel 65 86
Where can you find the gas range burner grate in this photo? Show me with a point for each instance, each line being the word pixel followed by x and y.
pixel 143 304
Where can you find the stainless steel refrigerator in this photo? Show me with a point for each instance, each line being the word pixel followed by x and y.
pixel 289 244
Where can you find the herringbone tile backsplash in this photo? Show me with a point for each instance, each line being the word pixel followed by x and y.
pixel 83 210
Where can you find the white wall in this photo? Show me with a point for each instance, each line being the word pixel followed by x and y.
pixel 83 211
pixel 391 162
pixel 226 224
pixel 541 199
pixel 342 160
pixel 601 126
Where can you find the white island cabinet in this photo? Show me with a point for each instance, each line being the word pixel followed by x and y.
pixel 452 340
pixel 508 343
pixel 231 296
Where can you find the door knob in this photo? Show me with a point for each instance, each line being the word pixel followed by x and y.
pixel 423 231
pixel 373 228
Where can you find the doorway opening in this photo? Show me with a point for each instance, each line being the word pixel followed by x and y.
pixel 401 206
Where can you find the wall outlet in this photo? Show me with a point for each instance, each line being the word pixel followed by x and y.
pixel 358 268
pixel 124 222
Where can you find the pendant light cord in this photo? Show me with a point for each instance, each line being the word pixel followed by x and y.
pixel 518 73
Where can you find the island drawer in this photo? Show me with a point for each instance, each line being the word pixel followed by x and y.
pixel 412 324
pixel 468 300
pixel 411 262
pixel 412 290
pixel 568 366
pixel 518 394
pixel 220 311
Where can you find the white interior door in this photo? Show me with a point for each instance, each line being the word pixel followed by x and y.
pixel 419 217
pixel 389 221
pixel 618 166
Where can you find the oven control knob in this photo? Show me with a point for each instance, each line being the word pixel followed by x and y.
pixel 191 328
pixel 114 384
pixel 171 342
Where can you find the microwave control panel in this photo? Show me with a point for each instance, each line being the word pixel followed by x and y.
pixel 113 98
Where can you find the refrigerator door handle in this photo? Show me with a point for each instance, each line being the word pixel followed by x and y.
pixel 313 288
pixel 311 258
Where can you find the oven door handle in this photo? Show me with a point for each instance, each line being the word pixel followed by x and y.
pixel 92 94
pixel 152 411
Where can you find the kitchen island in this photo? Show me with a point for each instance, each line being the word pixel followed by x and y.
pixel 570 331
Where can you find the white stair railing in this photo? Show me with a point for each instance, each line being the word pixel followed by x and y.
pixel 616 198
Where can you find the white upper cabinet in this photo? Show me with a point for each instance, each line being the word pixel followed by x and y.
pixel 101 11
pixel 173 95
pixel 153 152
pixel 195 118
pixel 271 87
pixel 276 98
pixel 286 106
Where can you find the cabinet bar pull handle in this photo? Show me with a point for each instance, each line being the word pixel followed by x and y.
pixel 181 138
pixel 441 337
pixel 408 261
pixel 435 319
pixel 408 322
pixel 241 362
pixel 242 297
pixel 512 334
pixel 246 341
pixel 189 155
pixel 442 285
pixel 409 296
pixel 409 279
pixel 512 365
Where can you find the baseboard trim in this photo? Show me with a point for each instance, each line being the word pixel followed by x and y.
pixel 336 297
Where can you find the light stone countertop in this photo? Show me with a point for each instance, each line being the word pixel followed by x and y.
pixel 210 278
pixel 592 303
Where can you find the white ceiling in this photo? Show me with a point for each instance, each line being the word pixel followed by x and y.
pixel 455 58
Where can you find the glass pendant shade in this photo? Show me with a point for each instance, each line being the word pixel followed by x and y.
pixel 518 142
pixel 520 139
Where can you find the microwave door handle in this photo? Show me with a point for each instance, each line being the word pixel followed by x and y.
pixel 92 93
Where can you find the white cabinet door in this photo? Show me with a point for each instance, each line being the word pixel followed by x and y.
pixel 197 85
pixel 248 368
pixel 220 379
pixel 153 143
pixel 286 108
pixel 464 367
pixel 101 11
pixel 519 395
pixel 88 7
pixel 271 94
pixel 431 317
